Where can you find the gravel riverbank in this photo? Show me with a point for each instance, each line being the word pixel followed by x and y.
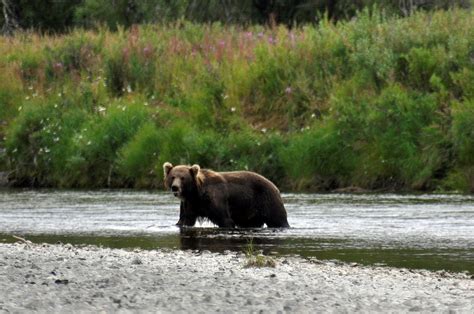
pixel 65 278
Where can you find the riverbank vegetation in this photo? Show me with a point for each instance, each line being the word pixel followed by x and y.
pixel 376 102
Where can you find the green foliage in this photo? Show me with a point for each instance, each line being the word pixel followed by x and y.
pixel 73 55
pixel 464 82
pixel 462 132
pixel 130 67
pixel 116 73
pixel 318 159
pixel 139 156
pixel 392 140
pixel 31 65
pixel 10 95
pixel 257 260
pixel 45 15
pixel 39 142
pixel 125 13
pixel 251 151
pixel 60 16
pixel 377 102
pixel 97 144
pixel 393 153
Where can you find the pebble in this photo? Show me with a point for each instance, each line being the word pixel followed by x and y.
pixel 92 279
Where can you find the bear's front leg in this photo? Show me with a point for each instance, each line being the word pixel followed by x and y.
pixel 219 213
pixel 181 215
pixel 226 223
pixel 186 216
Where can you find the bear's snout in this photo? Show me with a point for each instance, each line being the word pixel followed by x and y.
pixel 176 190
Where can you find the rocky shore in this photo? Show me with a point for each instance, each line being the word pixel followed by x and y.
pixel 66 278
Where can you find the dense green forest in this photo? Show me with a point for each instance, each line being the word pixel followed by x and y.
pixel 62 15
pixel 377 101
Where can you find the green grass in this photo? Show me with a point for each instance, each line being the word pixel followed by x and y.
pixel 257 260
pixel 375 102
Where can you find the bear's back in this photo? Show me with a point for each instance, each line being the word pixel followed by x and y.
pixel 248 178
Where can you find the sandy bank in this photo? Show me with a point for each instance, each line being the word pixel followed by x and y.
pixel 64 278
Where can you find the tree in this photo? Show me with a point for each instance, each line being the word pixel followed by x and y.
pixel 10 23
pixel 60 15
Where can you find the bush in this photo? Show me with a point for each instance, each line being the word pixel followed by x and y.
pixel 318 159
pixel 31 67
pixel 139 156
pixel 252 151
pixel 99 141
pixel 376 102
pixel 130 67
pixel 462 133
pixel 398 151
pixel 76 53
pixel 39 142
pixel 11 95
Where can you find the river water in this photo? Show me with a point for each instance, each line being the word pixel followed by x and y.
pixel 415 231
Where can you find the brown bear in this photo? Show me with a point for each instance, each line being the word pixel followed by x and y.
pixel 228 199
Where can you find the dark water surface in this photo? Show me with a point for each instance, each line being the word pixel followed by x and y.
pixel 416 231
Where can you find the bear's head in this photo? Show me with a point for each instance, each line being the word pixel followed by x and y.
pixel 182 180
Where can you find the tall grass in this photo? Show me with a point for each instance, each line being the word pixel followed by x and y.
pixel 375 102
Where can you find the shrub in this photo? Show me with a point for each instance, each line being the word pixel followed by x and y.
pixel 130 67
pixel 464 83
pixel 76 53
pixel 39 143
pixel 318 159
pixel 248 150
pixel 377 101
pixel 139 156
pixel 11 95
pixel 395 126
pixel 98 142
pixel 255 259
pixel 462 133
pixel 31 66
pixel 423 64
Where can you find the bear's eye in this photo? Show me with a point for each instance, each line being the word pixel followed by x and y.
pixel 172 178
pixel 182 178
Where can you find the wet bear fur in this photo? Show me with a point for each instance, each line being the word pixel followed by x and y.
pixel 228 199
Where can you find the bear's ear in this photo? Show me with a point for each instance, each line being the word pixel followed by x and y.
pixel 195 170
pixel 167 166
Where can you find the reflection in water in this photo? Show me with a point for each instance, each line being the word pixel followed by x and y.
pixel 419 231
pixel 218 240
